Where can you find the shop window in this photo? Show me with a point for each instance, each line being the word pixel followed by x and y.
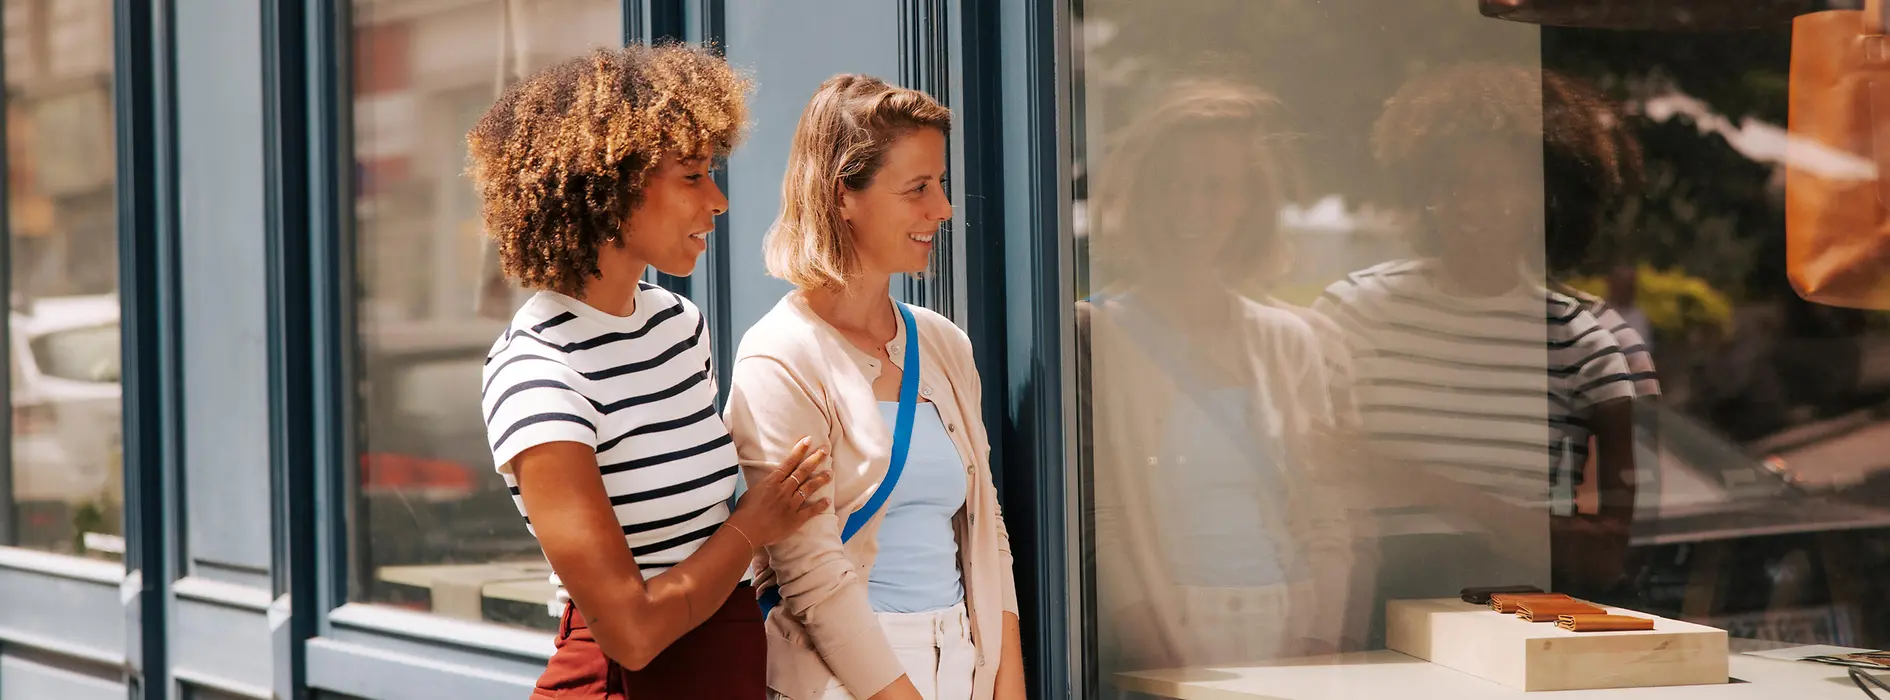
pixel 63 347
pixel 1380 301
pixel 434 527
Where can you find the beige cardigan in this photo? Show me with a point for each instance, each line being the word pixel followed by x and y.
pixel 795 376
pixel 1126 398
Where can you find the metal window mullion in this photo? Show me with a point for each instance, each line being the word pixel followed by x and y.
pixel 290 348
pixel 9 511
pixel 650 21
pixel 924 55
pixel 716 296
pixel 1032 163
pixel 146 196
pixel 330 161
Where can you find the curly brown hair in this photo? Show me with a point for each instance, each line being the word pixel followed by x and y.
pixel 561 158
pixel 1592 160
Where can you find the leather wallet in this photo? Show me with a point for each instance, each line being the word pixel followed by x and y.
pixel 1603 623
pixel 1553 610
pixel 1507 602
pixel 1480 595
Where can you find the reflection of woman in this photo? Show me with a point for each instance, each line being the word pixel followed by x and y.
pixel 919 601
pixel 1477 385
pixel 599 401
pixel 1213 527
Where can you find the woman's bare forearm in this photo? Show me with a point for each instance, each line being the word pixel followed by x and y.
pixel 704 581
pixel 578 530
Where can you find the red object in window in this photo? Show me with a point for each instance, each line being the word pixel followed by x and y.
pixel 383 57
pixel 413 475
pixel 378 174
pixel 29 419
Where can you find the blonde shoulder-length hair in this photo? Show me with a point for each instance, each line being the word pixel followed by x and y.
pixel 841 141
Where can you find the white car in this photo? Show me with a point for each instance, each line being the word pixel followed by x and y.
pixel 67 426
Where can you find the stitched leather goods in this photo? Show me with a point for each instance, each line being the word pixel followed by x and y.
pixel 1552 610
pixel 1510 603
pixel 1604 623
pixel 1837 197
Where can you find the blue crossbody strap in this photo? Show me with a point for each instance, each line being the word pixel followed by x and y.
pixel 902 442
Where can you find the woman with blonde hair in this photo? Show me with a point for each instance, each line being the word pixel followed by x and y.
pixel 903 590
pixel 1220 537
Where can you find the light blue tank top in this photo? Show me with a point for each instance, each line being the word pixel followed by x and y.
pixel 1215 492
pixel 916 569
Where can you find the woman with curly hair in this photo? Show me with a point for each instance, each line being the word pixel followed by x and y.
pixel 1483 391
pixel 599 399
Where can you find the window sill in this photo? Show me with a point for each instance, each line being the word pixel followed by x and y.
pixel 62 565
pixel 435 629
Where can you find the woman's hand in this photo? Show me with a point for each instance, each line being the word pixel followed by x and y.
pixel 784 500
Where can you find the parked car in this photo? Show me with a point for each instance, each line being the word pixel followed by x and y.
pixel 67 427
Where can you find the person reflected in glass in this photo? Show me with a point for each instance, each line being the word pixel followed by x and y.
pixel 1480 390
pixel 1592 170
pixel 599 399
pixel 1219 538
pixel 920 601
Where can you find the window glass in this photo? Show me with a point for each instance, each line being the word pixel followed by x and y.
pixel 434 527
pixel 1378 301
pixel 68 486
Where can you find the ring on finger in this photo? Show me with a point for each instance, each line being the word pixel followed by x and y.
pixel 797 480
pixel 801 493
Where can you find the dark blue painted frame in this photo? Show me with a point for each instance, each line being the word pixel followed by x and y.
pixel 652 21
pixel 292 338
pixel 144 87
pixel 1023 327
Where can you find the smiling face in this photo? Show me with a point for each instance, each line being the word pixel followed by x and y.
pixel 1485 205
pixel 1198 196
pixel 669 229
pixel 895 217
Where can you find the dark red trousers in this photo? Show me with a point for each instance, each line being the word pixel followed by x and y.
pixel 726 657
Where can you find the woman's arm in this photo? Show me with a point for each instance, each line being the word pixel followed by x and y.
pixel 578 530
pixel 769 407
pixel 1010 677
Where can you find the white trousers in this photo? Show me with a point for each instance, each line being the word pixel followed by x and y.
pixel 936 649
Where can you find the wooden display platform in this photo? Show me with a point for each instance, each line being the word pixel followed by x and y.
pixel 1538 656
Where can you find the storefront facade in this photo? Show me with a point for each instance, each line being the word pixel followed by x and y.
pixel 1256 291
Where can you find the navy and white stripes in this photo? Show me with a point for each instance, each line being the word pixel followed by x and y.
pixel 1494 392
pixel 639 391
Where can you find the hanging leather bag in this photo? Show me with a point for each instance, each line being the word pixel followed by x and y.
pixel 1837 178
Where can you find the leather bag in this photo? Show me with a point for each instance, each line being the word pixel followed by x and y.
pixel 1837 192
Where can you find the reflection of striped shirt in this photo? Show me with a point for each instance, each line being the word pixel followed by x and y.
pixel 1494 392
pixel 1634 346
pixel 637 389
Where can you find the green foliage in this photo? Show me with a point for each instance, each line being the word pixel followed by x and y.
pixel 1678 305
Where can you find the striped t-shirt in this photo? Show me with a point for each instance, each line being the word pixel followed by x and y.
pixel 639 390
pixel 1492 392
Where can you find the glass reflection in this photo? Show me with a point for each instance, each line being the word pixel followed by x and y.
pixel 1485 395
pixel 433 528
pixel 1204 403
pixel 1542 271
pixel 63 307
